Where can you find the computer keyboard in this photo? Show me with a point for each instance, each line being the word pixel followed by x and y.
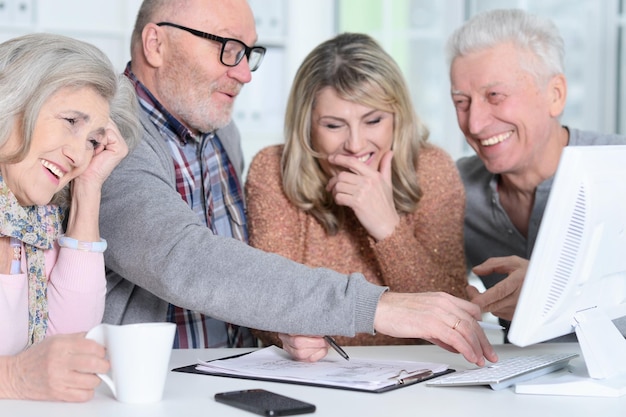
pixel 506 372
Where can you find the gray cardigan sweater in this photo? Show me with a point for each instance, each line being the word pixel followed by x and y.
pixel 160 253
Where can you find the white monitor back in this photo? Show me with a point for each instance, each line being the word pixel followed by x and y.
pixel 576 279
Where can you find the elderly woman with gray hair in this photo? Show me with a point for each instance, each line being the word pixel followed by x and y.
pixel 66 121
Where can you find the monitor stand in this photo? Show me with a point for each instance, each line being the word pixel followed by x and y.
pixel 604 350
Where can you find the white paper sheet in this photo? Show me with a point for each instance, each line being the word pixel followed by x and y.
pixel 274 363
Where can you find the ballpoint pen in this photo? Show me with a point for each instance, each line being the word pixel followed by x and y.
pixel 338 348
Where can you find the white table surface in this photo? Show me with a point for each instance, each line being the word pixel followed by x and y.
pixel 190 395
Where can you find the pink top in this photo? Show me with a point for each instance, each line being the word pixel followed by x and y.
pixel 76 292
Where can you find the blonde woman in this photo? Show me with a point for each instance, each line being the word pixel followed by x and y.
pixel 357 187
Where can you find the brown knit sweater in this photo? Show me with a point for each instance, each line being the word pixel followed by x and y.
pixel 425 252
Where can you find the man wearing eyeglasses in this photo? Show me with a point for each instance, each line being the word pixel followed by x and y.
pixel 174 219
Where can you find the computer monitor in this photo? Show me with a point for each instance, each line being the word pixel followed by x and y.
pixel 576 278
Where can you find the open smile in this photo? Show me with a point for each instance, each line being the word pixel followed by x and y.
pixel 53 168
pixel 365 157
pixel 494 140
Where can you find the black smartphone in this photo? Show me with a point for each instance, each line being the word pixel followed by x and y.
pixel 264 402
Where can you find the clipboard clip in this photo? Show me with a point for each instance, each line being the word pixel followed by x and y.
pixel 405 377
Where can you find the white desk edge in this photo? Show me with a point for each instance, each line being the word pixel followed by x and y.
pixel 192 395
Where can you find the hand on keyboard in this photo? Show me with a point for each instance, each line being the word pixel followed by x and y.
pixel 506 372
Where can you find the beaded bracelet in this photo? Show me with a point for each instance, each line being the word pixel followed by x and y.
pixel 68 242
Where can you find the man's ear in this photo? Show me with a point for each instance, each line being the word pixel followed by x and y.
pixel 557 94
pixel 153 44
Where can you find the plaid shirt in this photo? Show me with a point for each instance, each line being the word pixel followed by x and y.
pixel 207 181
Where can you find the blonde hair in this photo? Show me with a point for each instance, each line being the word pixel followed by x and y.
pixel 359 70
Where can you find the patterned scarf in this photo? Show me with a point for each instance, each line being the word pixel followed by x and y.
pixel 37 227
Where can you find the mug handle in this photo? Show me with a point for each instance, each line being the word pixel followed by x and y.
pixel 98 334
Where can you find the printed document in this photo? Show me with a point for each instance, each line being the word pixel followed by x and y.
pixel 366 374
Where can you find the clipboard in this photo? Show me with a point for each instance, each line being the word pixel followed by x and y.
pixel 403 379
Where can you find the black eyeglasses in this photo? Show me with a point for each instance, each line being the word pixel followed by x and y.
pixel 233 50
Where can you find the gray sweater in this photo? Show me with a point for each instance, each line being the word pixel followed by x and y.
pixel 160 253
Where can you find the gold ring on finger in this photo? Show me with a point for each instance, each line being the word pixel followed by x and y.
pixel 456 324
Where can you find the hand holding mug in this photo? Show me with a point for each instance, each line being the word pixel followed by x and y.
pixel 139 355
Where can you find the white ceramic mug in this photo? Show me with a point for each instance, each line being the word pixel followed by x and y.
pixel 139 355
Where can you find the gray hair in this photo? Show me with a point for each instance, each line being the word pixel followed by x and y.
pixel 35 66
pixel 528 32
